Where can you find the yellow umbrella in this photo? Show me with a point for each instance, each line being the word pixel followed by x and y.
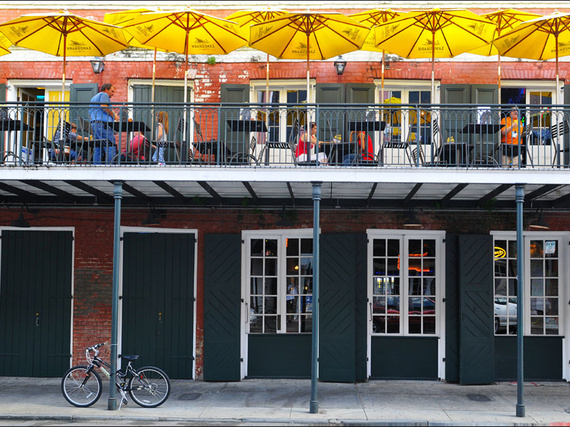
pixel 187 31
pixel 542 38
pixel 246 18
pixel 64 34
pixel 374 17
pixel 505 20
pixel 435 33
pixel 4 45
pixel 125 16
pixel 308 35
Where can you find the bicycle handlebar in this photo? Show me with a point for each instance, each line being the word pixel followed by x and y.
pixel 95 349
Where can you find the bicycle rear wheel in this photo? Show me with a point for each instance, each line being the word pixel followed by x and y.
pixel 150 388
pixel 81 387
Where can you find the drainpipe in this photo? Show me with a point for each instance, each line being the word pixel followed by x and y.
pixel 519 196
pixel 118 194
pixel 314 407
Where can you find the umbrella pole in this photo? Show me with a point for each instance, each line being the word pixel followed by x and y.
pixel 432 69
pixel 382 87
pixel 499 78
pixel 153 73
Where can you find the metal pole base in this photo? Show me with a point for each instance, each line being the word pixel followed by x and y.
pixel 112 404
pixel 520 410
pixel 314 408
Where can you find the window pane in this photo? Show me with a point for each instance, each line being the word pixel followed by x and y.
pixel 379 248
pixel 271 247
pixel 393 248
pixel 257 266
pixel 379 266
pixel 292 247
pixel 270 267
pixel 551 286
pixel 551 268
pixel 536 287
pixel 257 247
pixel 393 266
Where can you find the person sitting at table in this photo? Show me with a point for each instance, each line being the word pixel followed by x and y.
pixel 70 141
pixel 301 152
pixel 139 148
pixel 510 134
pixel 364 151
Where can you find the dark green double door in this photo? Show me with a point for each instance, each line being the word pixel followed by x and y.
pixel 158 300
pixel 35 303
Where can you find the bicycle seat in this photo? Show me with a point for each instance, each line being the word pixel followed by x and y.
pixel 130 358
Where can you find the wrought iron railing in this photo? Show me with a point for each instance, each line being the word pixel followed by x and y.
pixel 268 135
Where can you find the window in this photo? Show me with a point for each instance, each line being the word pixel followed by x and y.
pixel 542 291
pixel 280 282
pixel 281 121
pixel 406 124
pixel 405 275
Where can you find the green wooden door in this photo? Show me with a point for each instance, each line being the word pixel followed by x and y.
pixel 222 301
pixel 476 340
pixel 35 303
pixel 158 300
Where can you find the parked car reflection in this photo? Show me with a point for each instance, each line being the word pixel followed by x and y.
pixel 505 315
pixel 386 315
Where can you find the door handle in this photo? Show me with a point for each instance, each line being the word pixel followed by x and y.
pixel 37 319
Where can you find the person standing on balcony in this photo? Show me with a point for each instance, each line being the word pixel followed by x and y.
pixel 102 116
pixel 161 137
pixel 510 138
pixel 365 150
pixel 301 152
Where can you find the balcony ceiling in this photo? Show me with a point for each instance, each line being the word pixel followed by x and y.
pixel 358 188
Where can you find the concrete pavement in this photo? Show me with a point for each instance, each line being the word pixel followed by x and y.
pixel 280 402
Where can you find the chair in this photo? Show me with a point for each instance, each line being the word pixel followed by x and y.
pixel 59 146
pixel 246 158
pixel 359 160
pixel 557 130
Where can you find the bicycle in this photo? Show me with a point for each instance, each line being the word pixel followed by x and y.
pixel 81 385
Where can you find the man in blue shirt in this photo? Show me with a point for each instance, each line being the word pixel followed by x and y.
pixel 102 116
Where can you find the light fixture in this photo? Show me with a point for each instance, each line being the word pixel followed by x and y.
pixel 284 221
pixel 20 222
pixel 153 217
pixel 98 65
pixel 412 220
pixel 340 65
pixel 539 223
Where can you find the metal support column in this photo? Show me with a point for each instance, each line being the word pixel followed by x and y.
pixel 314 407
pixel 519 196
pixel 118 194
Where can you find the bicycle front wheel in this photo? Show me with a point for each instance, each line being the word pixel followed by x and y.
pixel 81 386
pixel 150 388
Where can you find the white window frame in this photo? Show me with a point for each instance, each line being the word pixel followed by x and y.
pixel 246 237
pixel 564 293
pixel 403 235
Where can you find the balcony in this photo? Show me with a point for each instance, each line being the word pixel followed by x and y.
pixel 261 135
pixel 223 154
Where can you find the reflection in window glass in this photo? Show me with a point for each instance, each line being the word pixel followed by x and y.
pixel 505 301
pixel 281 301
pixel 408 309
pixel 544 297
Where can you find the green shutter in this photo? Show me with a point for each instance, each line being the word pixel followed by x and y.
pixel 342 299
pixel 331 120
pixel 452 308
pixel 476 340
pixel 236 141
pixel 222 303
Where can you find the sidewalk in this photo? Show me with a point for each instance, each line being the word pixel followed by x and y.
pixel 280 402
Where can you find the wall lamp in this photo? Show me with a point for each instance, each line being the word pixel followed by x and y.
pixel 412 220
pixel 98 65
pixel 340 65
pixel 539 223
pixel 20 222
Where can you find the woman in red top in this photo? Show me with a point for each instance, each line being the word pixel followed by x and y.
pixel 365 149
pixel 301 152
